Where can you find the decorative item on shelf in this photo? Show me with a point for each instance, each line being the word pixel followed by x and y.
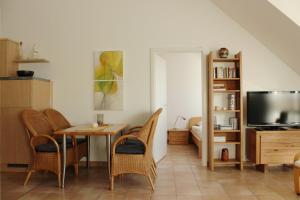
pixel 223 52
pixel 178 117
pixel 233 121
pixel 21 50
pixel 225 155
pixel 231 101
pixel 225 127
pixel 35 51
pixel 25 73
pixel 100 119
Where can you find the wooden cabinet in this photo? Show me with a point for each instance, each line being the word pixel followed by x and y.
pixel 17 95
pixel 272 147
pixel 224 81
pixel 9 52
pixel 178 136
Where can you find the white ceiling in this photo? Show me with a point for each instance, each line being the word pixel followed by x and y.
pixel 269 25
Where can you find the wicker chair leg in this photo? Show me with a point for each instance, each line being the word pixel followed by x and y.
pixel 59 180
pixel 112 183
pixel 153 173
pixel 28 177
pixel 76 169
pixel 154 170
pixel 296 180
pixel 151 182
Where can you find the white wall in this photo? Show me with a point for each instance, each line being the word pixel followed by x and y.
pixel 68 31
pixel 184 83
pixel 290 8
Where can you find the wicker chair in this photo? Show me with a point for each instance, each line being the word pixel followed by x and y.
pixel 297 173
pixel 58 122
pixel 128 156
pixel 46 150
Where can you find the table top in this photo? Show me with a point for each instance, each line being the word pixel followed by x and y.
pixel 85 130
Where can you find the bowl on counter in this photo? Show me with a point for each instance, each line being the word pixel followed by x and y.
pixel 25 73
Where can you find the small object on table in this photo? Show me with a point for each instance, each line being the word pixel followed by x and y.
pixel 100 119
pixel 95 125
pixel 225 154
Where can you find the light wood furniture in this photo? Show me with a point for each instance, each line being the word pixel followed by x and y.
pixel 16 96
pixel 59 122
pixel 31 60
pixel 178 136
pixel 9 52
pixel 141 163
pixel 297 173
pixel 45 157
pixel 272 147
pixel 232 86
pixel 87 130
pixel 197 140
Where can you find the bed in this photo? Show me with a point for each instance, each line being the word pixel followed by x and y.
pixel 195 128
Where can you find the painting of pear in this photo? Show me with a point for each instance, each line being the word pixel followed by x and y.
pixel 108 80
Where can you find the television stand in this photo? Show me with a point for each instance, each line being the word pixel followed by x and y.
pixel 272 147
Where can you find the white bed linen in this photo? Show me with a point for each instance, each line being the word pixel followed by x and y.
pixel 197 130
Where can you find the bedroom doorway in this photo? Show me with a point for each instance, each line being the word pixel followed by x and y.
pixel 180 73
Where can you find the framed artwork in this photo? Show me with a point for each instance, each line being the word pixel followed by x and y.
pixel 108 80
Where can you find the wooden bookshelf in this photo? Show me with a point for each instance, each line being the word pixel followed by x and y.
pixel 231 85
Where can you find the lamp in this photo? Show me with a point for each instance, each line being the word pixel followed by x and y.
pixel 178 117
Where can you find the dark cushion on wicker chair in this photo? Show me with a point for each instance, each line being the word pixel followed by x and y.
pixel 134 142
pixel 131 147
pixel 69 140
pixel 50 147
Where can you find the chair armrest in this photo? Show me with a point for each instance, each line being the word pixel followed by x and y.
pixel 297 157
pixel 120 139
pixel 34 138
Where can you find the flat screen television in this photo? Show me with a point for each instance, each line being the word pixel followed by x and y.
pixel 273 109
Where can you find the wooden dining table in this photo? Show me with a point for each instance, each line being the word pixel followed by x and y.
pixel 87 130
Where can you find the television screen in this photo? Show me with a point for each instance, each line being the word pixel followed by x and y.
pixel 273 108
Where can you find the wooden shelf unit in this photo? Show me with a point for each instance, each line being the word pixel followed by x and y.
pixel 32 60
pixel 234 86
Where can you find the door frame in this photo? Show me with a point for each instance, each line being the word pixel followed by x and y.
pixel 204 78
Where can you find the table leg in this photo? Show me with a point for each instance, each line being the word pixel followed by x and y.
pixel 64 159
pixel 88 152
pixel 108 146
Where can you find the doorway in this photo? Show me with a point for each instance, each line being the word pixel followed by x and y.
pixel 178 85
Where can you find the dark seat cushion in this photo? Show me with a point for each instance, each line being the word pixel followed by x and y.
pixel 131 147
pixel 69 140
pixel 134 142
pixel 50 147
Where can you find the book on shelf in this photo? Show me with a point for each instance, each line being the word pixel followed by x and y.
pixel 225 72
pixel 219 89
pixel 219 139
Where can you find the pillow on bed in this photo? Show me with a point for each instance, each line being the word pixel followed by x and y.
pixel 199 123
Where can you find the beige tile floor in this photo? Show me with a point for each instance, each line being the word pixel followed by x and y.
pixel 180 177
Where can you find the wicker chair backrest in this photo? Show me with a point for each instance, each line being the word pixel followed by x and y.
pixel 36 123
pixel 56 119
pixel 147 131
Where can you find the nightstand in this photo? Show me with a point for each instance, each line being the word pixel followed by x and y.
pixel 178 136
